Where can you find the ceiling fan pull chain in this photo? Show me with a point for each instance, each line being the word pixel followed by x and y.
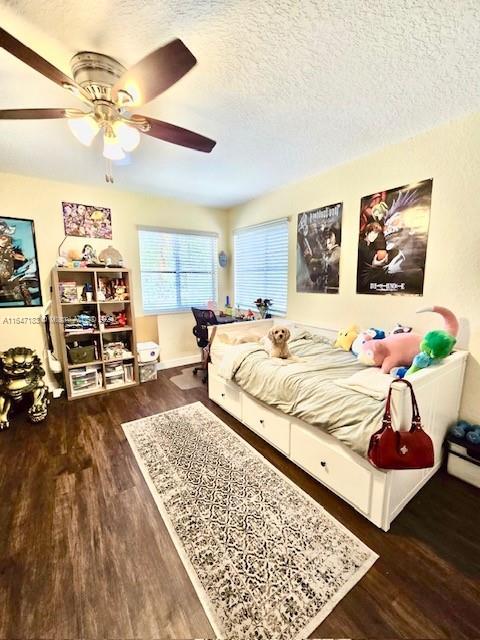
pixel 108 171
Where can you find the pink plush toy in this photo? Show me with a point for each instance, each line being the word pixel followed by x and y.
pixel 396 350
pixel 399 349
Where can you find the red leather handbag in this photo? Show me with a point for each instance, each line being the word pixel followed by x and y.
pixel 390 449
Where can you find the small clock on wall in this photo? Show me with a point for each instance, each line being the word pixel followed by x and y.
pixel 222 259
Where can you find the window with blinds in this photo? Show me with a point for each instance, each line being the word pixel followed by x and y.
pixel 178 270
pixel 261 265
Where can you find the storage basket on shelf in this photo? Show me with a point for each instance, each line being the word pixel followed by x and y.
pixel 463 460
pixel 81 354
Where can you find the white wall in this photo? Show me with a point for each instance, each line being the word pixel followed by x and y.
pixel 40 200
pixel 451 156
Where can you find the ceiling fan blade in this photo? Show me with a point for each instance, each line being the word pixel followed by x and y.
pixel 35 61
pixel 155 73
pixel 32 114
pixel 177 135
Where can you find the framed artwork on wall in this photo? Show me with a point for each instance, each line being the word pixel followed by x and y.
pixel 19 274
pixel 392 244
pixel 87 221
pixel 319 239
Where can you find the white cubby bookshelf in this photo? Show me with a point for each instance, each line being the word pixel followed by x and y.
pixel 90 378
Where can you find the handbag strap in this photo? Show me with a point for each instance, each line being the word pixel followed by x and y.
pixel 387 417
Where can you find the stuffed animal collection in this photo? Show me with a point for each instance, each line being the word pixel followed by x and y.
pixel 467 431
pixel 401 352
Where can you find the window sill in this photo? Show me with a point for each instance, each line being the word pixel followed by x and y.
pixel 167 312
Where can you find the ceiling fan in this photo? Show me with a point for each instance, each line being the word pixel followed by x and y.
pixel 111 92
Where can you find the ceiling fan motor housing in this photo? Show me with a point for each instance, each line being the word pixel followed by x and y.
pixel 96 73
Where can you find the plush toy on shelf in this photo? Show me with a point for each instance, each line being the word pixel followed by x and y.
pixel 436 345
pixel 345 338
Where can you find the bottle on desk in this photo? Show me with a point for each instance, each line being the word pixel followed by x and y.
pixel 228 307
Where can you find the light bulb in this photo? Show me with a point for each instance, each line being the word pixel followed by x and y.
pixel 84 129
pixel 129 136
pixel 112 148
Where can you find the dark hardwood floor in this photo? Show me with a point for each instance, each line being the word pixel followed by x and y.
pixel 84 552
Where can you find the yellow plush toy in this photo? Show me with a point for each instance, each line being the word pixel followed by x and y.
pixel 346 337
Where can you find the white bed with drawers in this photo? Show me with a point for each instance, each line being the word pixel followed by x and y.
pixel 378 495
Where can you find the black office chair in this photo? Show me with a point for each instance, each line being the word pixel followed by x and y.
pixel 204 318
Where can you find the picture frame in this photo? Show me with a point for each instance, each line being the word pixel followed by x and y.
pixel 20 283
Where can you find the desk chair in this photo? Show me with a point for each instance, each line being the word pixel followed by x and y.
pixel 203 318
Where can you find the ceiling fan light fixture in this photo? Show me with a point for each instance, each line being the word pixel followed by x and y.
pixel 112 149
pixel 84 129
pixel 128 136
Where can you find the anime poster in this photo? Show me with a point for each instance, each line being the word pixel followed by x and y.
pixel 392 245
pixel 319 238
pixel 19 275
pixel 87 221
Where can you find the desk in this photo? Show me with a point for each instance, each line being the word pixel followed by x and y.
pixel 224 319
pixel 230 319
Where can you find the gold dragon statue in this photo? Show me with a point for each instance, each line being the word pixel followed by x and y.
pixel 21 373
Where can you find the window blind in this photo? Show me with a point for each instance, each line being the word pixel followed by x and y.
pixel 178 270
pixel 261 265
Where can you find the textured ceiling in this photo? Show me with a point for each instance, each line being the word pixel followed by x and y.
pixel 288 88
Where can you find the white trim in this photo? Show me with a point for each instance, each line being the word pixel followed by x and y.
pixel 261 224
pixel 171 312
pixel 178 362
pixel 187 232
pixel 202 595
pixel 431 472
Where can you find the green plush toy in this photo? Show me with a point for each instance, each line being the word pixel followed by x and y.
pixel 438 344
pixel 435 345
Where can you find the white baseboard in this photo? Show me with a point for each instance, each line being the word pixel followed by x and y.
pixel 178 362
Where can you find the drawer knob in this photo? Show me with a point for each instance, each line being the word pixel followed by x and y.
pixel 262 421
pixel 323 463
pixel 223 395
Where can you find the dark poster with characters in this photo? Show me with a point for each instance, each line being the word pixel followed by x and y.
pixel 19 276
pixel 319 238
pixel 392 244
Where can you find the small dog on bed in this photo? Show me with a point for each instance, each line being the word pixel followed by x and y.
pixel 278 337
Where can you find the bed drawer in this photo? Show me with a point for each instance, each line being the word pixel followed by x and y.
pixel 225 394
pixel 331 466
pixel 270 425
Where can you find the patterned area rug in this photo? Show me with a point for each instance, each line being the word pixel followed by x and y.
pixel 266 560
